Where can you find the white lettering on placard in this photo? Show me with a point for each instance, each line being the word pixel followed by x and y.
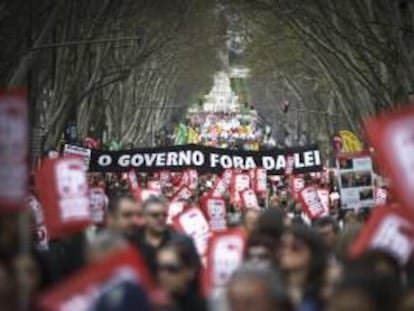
pixel 250 164
pixel 124 160
pixel 298 163
pixel 268 162
pixel 308 158
pixel 280 162
pixel 317 155
pixel 150 158
pixel 105 160
pixel 160 159
pixel 214 159
pixel 184 157
pixel 238 162
pixel 217 214
pixel 389 236
pixel 137 160
pixel 227 256
pixel 172 159
pixel 195 225
pixel 198 158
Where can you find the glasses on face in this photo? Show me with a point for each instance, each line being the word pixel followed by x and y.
pixel 293 245
pixel 171 268
pixel 158 215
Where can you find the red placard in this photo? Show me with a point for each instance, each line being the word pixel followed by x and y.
pixel 154 185
pixel 184 193
pixel 132 181
pixel 324 198
pixel 260 180
pixel 63 194
pixel 192 179
pixel 98 205
pixel 219 188
pixel 297 183
pixel 390 229
pixel 240 183
pixel 81 291
pixel 193 223
pixel 164 177
pixel 224 255
pixel 216 213
pixel 311 203
pixel 249 199
pixel 392 136
pixel 175 208
pixel 13 150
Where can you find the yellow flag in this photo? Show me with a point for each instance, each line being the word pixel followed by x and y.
pixel 350 143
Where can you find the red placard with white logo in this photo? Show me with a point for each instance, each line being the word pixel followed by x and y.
pixel 63 194
pixel 98 205
pixel 83 290
pixel 41 238
pixel 184 193
pixel 392 136
pixel 154 185
pixel 219 188
pixel 224 256
pixel 260 180
pixel 324 198
pixel 311 203
pixel 193 223
pixel 175 208
pixel 297 183
pixel 216 213
pixel 13 150
pixel 164 177
pixel 249 199
pixel 390 229
pixel 240 183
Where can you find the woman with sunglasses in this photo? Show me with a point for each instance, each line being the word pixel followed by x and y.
pixel 303 262
pixel 178 269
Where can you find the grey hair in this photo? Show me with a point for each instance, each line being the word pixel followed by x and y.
pixel 271 280
pixel 158 200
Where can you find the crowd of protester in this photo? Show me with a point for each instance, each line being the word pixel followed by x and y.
pixel 289 263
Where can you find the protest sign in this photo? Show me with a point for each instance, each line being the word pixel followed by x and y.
pixel 392 136
pixel 41 238
pixel 356 181
pixel 90 287
pixel 63 194
pixel 311 203
pixel 207 159
pixel 390 229
pixel 224 255
pixel 13 150
pixel 83 153
pixel 98 205
pixel 193 223
pixel 215 211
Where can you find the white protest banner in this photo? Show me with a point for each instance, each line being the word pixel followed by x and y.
pixel 356 181
pixel 98 204
pixel 83 153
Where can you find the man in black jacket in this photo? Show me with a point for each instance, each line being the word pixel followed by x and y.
pixel 155 233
